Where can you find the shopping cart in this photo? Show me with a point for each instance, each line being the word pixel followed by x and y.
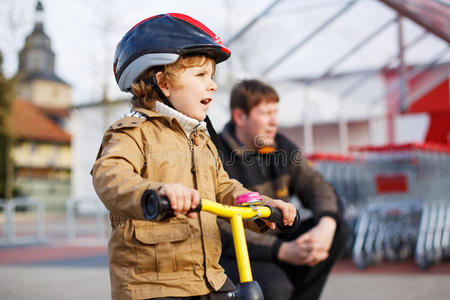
pixel 407 205
pixel 343 172
pixel 396 197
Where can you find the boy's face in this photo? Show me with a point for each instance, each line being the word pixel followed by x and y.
pixel 261 124
pixel 193 90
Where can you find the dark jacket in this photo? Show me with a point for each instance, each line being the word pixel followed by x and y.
pixel 278 174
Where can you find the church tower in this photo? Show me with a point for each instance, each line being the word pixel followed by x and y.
pixel 37 80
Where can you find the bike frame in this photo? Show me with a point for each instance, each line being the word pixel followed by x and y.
pixel 237 214
pixel 157 207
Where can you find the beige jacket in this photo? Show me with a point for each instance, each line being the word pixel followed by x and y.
pixel 174 257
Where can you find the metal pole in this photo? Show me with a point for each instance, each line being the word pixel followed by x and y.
pixel 308 137
pixel 70 219
pixel 403 84
pixel 252 22
pixel 401 8
pixel 9 216
pixel 343 124
pixel 410 74
pixel 366 76
pixel 355 48
pixel 40 221
pixel 343 129
pixel 303 42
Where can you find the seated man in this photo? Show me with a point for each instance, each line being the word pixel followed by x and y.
pixel 287 266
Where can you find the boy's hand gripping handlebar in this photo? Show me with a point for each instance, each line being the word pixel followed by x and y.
pixel 157 207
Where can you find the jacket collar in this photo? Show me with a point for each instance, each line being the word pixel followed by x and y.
pixel 229 138
pixel 187 123
pixel 160 110
pixel 149 113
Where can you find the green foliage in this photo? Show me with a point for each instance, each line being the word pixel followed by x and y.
pixel 6 142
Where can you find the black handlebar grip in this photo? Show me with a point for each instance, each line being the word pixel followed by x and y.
pixel 277 217
pixel 157 207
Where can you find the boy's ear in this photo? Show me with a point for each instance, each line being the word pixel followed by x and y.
pixel 162 83
pixel 239 117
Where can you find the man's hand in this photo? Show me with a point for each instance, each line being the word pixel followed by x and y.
pixel 311 247
pixel 288 211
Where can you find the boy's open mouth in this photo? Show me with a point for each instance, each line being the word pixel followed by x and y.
pixel 206 101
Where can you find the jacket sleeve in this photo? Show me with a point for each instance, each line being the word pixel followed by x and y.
pixel 116 174
pixel 313 190
pixel 227 190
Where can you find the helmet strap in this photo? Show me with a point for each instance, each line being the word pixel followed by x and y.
pixel 213 134
pixel 209 126
pixel 157 89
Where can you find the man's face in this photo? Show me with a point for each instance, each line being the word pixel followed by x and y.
pixel 261 124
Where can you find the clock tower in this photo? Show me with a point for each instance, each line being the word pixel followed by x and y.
pixel 37 80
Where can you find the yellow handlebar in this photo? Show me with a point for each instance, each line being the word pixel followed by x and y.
pixel 158 207
pixel 227 211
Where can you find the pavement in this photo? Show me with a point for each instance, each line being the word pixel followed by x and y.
pixel 79 270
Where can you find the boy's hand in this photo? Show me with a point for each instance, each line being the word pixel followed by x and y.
pixel 287 210
pixel 182 198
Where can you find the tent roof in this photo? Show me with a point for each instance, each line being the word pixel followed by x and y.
pixel 434 15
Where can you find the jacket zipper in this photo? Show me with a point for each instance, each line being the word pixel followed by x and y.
pixel 191 148
pixel 193 171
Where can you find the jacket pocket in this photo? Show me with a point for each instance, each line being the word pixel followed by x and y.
pixel 163 248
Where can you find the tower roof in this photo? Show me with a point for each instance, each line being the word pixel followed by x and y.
pixel 37 59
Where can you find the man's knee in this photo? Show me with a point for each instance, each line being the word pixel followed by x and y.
pixel 273 281
pixel 341 238
pixel 276 288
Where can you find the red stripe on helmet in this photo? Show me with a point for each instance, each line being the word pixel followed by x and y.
pixel 226 50
pixel 192 21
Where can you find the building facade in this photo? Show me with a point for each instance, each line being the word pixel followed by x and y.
pixel 39 121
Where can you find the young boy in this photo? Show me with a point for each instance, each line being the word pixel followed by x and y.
pixel 167 62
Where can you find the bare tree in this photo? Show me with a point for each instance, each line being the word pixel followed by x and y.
pixel 6 141
pixel 16 19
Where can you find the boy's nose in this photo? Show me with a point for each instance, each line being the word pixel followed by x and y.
pixel 212 86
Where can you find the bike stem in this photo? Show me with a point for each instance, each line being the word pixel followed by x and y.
pixel 240 248
pixel 158 207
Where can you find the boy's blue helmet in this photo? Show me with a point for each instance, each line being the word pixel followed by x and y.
pixel 160 40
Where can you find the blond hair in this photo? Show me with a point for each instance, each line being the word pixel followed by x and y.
pixel 143 94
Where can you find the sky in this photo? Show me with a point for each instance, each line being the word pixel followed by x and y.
pixel 84 34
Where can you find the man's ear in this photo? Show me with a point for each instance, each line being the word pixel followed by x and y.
pixel 239 117
pixel 162 83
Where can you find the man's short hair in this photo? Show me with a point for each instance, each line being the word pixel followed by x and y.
pixel 250 93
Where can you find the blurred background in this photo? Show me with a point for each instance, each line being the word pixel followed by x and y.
pixel 365 93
